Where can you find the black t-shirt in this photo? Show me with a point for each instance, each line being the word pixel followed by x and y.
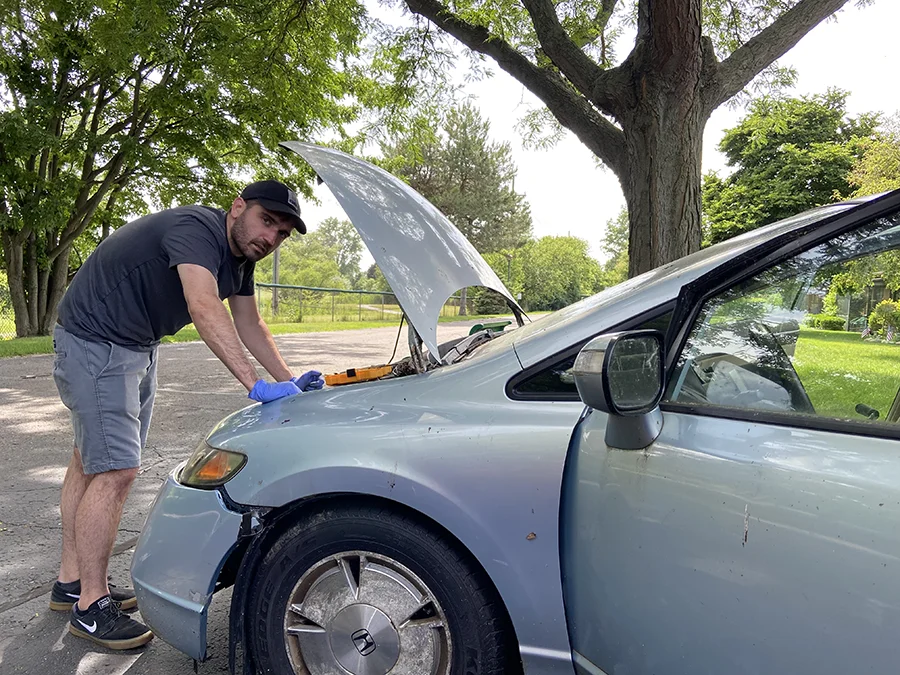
pixel 128 291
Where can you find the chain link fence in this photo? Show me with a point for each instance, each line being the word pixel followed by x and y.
pixel 291 304
pixel 7 318
pixel 279 303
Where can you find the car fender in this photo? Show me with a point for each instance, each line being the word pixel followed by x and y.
pixel 503 510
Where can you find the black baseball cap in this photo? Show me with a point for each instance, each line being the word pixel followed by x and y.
pixel 275 196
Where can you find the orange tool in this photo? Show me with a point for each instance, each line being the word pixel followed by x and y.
pixel 354 375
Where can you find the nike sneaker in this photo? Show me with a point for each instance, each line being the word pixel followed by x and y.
pixel 63 596
pixel 104 623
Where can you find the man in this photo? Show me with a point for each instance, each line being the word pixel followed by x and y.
pixel 147 280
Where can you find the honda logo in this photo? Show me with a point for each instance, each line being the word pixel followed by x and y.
pixel 365 645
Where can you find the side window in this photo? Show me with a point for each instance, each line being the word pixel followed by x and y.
pixel 815 335
pixel 556 380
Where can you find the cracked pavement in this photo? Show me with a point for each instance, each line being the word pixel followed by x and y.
pixel 195 392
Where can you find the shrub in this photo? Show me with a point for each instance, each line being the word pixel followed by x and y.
pixel 886 313
pixel 824 321
pixel 831 322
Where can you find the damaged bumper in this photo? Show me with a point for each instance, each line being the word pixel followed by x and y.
pixel 185 541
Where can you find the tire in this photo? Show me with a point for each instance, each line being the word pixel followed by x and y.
pixel 419 606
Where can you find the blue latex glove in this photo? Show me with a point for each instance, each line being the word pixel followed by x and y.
pixel 271 391
pixel 309 381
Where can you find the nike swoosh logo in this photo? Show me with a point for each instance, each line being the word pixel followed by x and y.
pixel 90 629
pixel 72 595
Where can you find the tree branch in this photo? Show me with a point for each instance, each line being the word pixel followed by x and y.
pixel 82 218
pixel 573 111
pixel 578 67
pixel 643 19
pixel 766 47
pixel 598 25
pixel 114 94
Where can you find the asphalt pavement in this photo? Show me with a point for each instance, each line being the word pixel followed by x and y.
pixel 195 392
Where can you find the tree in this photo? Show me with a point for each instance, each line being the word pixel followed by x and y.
pixel 304 261
pixel 103 102
pixel 557 272
pixel 374 280
pixel 615 245
pixel 509 266
pixel 479 181
pixel 342 238
pixel 878 170
pixel 469 178
pixel 643 118
pixel 790 155
pixel 551 273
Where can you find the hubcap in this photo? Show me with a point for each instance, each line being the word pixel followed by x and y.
pixel 370 650
pixel 360 613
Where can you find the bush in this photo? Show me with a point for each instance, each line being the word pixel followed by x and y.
pixel 831 322
pixel 886 313
pixel 824 322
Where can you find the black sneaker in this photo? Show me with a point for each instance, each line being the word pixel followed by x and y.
pixel 105 624
pixel 63 596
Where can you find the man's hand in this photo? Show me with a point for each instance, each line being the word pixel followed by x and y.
pixel 272 391
pixel 309 381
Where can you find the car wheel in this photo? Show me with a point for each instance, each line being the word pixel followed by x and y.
pixel 368 591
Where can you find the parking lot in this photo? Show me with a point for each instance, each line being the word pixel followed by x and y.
pixel 195 392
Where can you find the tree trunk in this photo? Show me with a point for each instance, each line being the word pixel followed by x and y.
pixel 462 302
pixel 15 275
pixel 35 292
pixel 58 279
pixel 662 122
pixel 663 205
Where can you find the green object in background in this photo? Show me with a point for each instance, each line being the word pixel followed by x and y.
pixel 494 327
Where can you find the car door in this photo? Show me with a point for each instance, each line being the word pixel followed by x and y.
pixel 760 531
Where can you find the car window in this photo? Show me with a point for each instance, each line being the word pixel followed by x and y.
pixel 557 378
pixel 816 335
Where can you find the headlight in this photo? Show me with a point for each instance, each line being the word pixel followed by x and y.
pixel 210 467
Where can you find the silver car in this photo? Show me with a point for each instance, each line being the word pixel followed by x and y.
pixel 728 501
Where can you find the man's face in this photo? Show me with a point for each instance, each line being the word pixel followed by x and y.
pixel 256 232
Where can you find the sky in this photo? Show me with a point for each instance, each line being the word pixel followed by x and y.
pixel 570 194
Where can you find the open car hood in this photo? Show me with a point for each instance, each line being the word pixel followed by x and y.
pixel 423 256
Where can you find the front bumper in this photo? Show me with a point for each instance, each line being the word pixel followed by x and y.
pixel 185 541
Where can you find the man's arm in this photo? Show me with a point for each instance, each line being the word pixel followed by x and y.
pixel 213 322
pixel 255 334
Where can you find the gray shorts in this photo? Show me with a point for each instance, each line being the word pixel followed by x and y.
pixel 109 390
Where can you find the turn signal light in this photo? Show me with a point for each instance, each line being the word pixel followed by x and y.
pixel 210 467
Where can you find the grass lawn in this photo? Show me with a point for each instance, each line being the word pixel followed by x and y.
pixel 839 370
pixel 26 346
pixel 44 345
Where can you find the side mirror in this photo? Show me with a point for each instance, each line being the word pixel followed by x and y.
pixel 622 374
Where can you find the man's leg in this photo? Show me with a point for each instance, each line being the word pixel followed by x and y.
pixel 99 383
pixel 96 615
pixel 96 526
pixel 74 486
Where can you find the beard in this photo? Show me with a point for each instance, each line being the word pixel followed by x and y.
pixel 253 250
